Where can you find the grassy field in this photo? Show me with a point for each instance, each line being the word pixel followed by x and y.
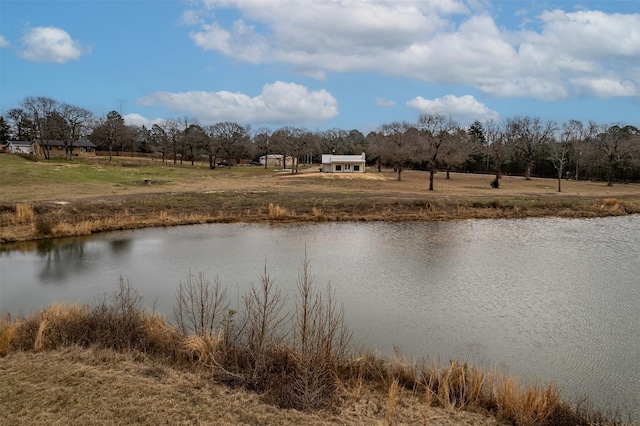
pixel 47 199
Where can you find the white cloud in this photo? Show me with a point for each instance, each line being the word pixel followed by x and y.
pixel 464 109
pixel 50 44
pixel 384 102
pixel 606 87
pixel 191 17
pixel 139 120
pixel 437 41
pixel 4 42
pixel 279 102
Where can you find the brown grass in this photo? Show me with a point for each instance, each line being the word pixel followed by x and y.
pixel 43 351
pixel 192 195
pixel 24 213
pixel 99 386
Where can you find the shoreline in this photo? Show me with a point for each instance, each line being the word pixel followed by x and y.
pixel 50 219
pixel 50 199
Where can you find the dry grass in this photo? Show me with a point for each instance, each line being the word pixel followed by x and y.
pixel 98 386
pixel 24 213
pixel 277 212
pixel 92 197
pixel 391 402
pixel 159 360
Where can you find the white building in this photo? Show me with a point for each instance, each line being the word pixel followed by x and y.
pixel 20 147
pixel 274 160
pixel 343 163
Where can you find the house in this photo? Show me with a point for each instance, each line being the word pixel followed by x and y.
pixel 20 147
pixel 343 163
pixel 274 160
pixel 82 148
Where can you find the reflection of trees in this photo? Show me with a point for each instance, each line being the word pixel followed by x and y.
pixel 119 247
pixel 68 258
pixel 61 261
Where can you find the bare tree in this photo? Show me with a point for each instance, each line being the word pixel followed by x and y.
pixel 40 110
pixel 159 141
pixel 23 127
pixel 436 132
pixel 171 128
pixel 283 141
pixel 495 136
pixel 529 137
pixel 109 133
pixel 193 137
pixel 228 136
pixel 375 148
pixel 616 145
pixel 77 120
pixel 261 142
pixel 571 137
pixel 400 145
pixel 460 148
pixel 334 141
pixel 301 140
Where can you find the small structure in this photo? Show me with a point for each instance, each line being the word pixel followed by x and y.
pixel 274 160
pixel 343 163
pixel 20 147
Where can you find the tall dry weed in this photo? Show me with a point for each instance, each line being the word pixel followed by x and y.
pixel 391 402
pixel 24 213
pixel 203 348
pixel 277 212
pixel 8 331
pixel 62 325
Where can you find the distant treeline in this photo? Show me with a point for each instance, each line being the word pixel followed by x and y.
pixel 522 145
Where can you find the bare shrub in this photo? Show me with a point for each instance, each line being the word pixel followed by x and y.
pixel 320 341
pixel 263 320
pixel 44 225
pixel 200 304
pixel 60 325
pixel 119 318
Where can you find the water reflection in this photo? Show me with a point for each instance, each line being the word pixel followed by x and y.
pixel 60 261
pixel 549 299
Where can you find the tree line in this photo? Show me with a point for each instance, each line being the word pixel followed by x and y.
pixel 521 145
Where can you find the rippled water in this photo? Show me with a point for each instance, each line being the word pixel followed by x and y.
pixel 547 299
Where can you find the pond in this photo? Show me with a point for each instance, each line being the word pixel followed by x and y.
pixel 546 299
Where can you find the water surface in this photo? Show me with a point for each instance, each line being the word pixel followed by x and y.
pixel 548 299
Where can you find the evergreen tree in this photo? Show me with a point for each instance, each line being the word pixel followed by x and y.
pixel 5 131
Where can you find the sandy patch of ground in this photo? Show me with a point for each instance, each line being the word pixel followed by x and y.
pixel 344 176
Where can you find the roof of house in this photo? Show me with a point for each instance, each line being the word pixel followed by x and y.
pixel 83 143
pixel 19 143
pixel 331 158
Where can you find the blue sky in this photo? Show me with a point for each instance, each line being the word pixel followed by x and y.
pixel 328 63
